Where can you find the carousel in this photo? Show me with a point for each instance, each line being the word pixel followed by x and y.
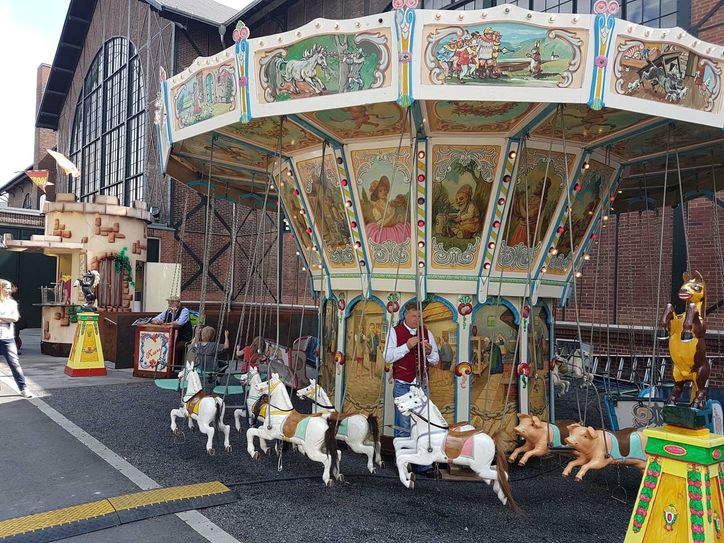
pixel 462 160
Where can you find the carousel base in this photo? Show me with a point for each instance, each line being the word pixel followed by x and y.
pixel 680 498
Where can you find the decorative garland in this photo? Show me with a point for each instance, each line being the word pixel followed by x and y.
pixel 696 507
pixel 653 473
pixel 123 264
pixel 707 483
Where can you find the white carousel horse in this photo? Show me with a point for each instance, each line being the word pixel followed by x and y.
pixel 353 429
pixel 206 409
pixel 249 380
pixel 574 365
pixel 310 433
pixel 436 442
pixel 559 384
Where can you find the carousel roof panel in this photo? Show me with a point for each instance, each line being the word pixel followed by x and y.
pixel 354 123
pixel 586 126
pixel 665 136
pixel 465 117
pixel 264 132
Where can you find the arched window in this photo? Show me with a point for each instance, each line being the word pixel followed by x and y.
pixel 109 130
pixel 27 202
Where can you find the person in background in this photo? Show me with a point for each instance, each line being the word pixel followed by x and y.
pixel 373 343
pixel 410 363
pixel 9 315
pixel 18 325
pixel 179 316
pixel 446 354
pixel 210 356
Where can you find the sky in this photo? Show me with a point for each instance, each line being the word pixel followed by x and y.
pixel 29 33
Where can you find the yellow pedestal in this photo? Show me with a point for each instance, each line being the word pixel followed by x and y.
pixel 680 498
pixel 86 355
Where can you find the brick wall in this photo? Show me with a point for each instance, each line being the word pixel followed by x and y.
pixel 707 24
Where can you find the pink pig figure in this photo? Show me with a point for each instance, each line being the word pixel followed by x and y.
pixel 538 436
pixel 596 449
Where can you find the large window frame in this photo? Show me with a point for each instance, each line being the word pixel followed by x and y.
pixel 655 13
pixel 108 139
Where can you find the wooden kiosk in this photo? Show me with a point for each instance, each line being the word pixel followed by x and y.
pixel 154 351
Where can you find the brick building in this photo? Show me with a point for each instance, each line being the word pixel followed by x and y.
pixel 118 154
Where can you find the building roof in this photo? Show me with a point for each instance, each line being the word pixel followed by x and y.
pixel 19 179
pixel 206 11
pixel 75 30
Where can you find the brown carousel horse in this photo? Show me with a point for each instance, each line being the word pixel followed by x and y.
pixel 685 332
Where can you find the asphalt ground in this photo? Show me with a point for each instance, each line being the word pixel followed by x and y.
pixel 293 505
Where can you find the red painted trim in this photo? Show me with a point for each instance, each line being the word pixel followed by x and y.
pixel 88 372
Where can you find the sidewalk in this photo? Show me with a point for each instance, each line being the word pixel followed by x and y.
pixel 50 463
pixel 44 373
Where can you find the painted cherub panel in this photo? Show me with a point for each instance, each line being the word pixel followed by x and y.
pixel 462 182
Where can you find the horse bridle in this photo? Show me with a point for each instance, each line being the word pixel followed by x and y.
pixel 424 419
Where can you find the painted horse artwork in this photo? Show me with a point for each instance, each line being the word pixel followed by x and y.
pixel 685 332
pixel 249 380
pixel 437 442
pixel 361 433
pixel 303 70
pixel 206 409
pixel 312 434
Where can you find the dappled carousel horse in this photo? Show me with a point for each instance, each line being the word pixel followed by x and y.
pixel 206 409
pixel 436 442
pixel 359 432
pixel 312 434
pixel 685 333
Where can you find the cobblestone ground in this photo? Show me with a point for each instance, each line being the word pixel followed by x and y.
pixel 293 505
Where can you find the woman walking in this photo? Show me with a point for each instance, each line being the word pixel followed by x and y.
pixel 9 315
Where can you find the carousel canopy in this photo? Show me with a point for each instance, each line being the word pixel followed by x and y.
pixel 479 150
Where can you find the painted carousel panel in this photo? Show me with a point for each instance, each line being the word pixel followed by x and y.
pixel 438 319
pixel 594 183
pixel 265 133
pixel 584 125
pixel 668 73
pixel 364 359
pixel 462 182
pixel 492 382
pixel 363 121
pixel 383 191
pixel 542 177
pixel 463 117
pixel 509 54
pixel 323 65
pixel 211 91
pixel 327 210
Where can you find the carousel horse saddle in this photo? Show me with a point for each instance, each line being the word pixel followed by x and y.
pixel 296 423
pixel 626 443
pixel 457 443
pixel 192 405
pixel 341 420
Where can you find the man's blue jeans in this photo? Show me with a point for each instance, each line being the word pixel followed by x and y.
pixel 9 350
pixel 402 422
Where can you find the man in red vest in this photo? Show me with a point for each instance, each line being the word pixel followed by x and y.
pixel 410 361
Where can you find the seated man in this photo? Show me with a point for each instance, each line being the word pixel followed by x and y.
pixel 179 316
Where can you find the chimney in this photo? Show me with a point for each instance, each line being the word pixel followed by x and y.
pixel 44 138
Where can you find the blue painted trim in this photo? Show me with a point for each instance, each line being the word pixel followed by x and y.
pixel 503 301
pixel 434 298
pixel 164 90
pixel 242 46
pixel 354 301
pixel 534 122
pixel 417 117
pixel 161 165
pixel 601 21
pixel 306 125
